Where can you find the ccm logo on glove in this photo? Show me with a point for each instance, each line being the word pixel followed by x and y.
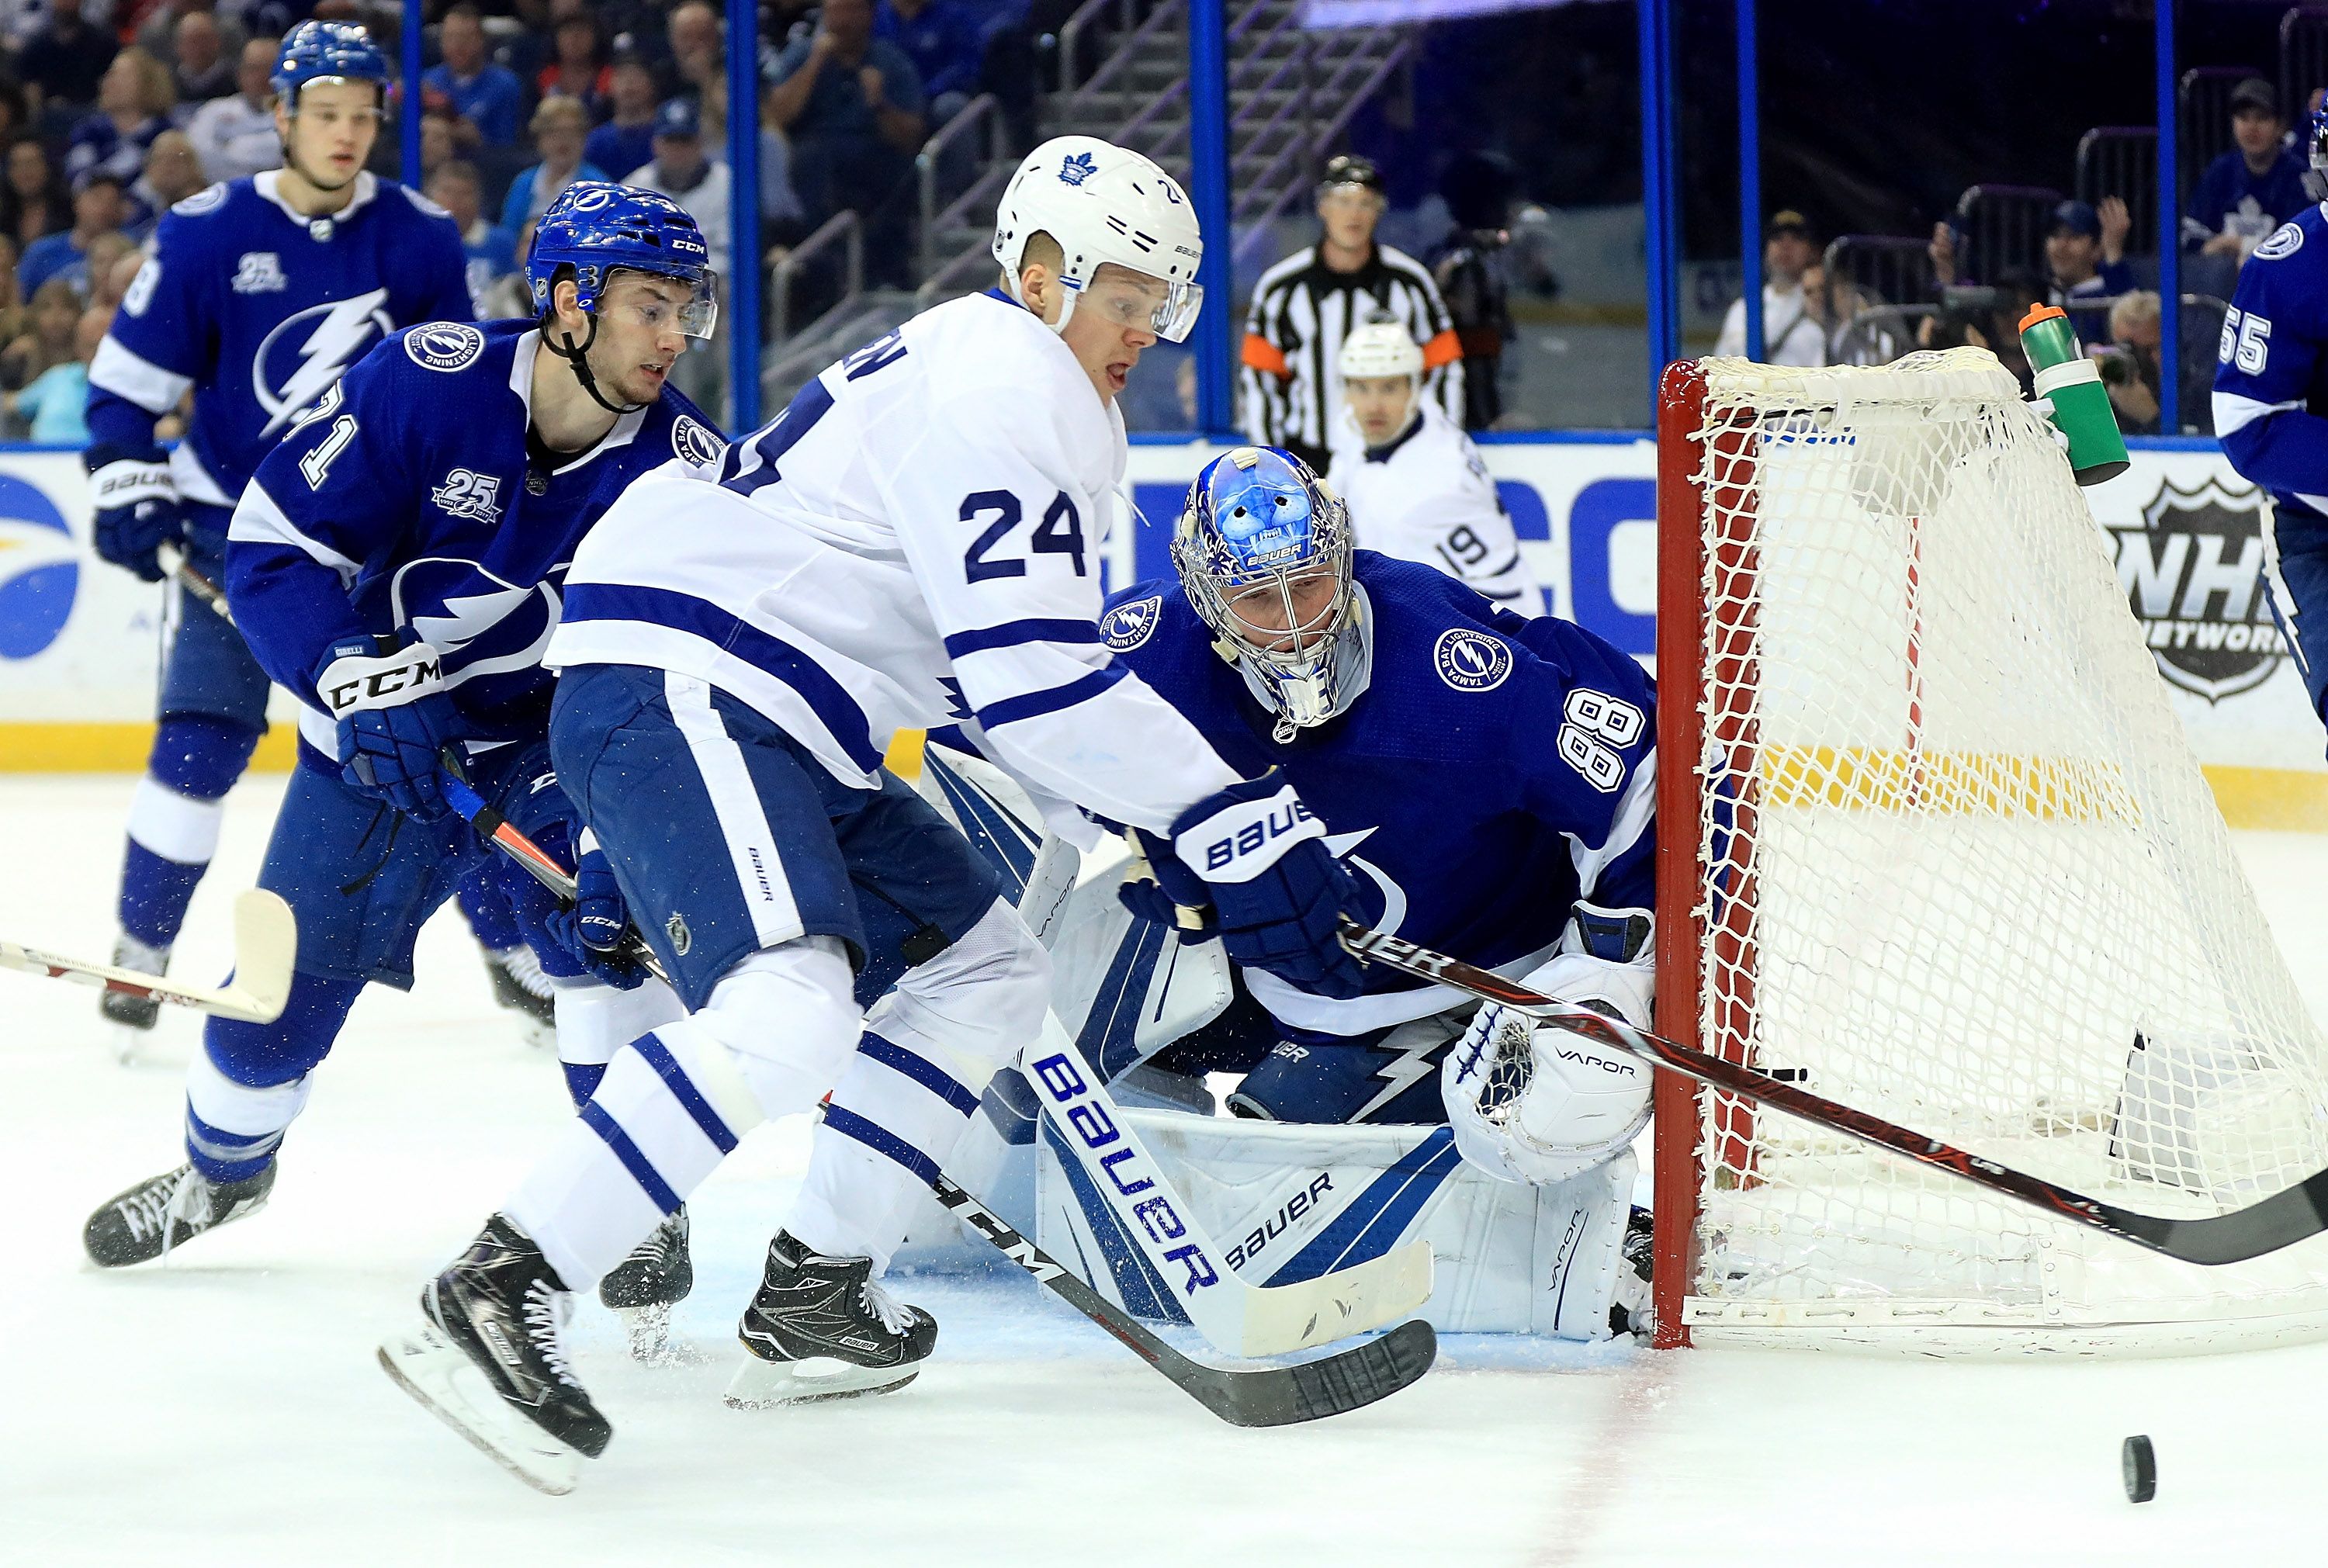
pixel 1242 842
pixel 355 682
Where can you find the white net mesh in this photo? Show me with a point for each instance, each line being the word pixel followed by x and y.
pixel 1959 867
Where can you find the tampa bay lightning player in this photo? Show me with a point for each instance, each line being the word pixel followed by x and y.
pixel 258 295
pixel 2271 414
pixel 397 563
pixel 1490 780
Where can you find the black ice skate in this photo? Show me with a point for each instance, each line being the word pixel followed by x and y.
pixel 646 1285
pixel 521 987
pixel 133 1012
pixel 492 1360
pixel 165 1211
pixel 823 1329
pixel 1629 1312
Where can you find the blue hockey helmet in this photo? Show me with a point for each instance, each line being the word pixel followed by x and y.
pixel 325 52
pixel 596 228
pixel 1264 551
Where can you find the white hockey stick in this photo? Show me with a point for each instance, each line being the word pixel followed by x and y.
pixel 1233 1315
pixel 266 940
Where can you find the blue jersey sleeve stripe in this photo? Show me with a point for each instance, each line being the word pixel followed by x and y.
pixel 1035 704
pixel 771 655
pixel 881 1140
pixel 921 1070
pixel 1012 634
pixel 682 1088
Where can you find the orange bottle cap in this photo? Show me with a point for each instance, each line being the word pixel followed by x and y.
pixel 2038 313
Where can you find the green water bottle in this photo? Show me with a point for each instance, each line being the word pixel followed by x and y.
pixel 2081 404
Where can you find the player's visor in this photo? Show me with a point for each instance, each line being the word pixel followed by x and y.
pixel 1134 300
pixel 696 316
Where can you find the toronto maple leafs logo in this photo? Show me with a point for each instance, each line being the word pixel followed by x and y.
pixel 303 357
pixel 1078 168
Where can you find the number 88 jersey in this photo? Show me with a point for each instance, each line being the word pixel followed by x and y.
pixel 914 542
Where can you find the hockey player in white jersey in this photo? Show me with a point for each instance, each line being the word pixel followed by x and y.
pixel 1415 486
pixel 913 543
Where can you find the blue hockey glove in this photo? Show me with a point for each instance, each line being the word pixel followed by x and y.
pixel 592 931
pixel 393 719
pixel 137 507
pixel 1144 896
pixel 1256 856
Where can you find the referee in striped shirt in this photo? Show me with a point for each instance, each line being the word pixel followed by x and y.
pixel 1306 304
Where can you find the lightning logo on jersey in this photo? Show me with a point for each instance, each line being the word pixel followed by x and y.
pixel 329 338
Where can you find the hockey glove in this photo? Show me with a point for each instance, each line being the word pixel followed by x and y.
pixel 393 719
pixel 592 931
pixel 1257 857
pixel 137 507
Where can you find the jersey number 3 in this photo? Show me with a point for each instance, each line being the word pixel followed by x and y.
pixel 1061 532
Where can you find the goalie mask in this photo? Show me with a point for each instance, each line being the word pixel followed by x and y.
pixel 1264 551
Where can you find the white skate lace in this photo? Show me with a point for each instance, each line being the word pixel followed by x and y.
pixel 896 1316
pixel 182 1194
pixel 545 1325
pixel 521 964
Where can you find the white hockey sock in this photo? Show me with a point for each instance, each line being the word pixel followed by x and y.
pixel 178 828
pixel 230 1123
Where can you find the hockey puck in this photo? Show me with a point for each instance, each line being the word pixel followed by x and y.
pixel 2140 1464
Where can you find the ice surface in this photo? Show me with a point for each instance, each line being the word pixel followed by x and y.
pixel 224 1407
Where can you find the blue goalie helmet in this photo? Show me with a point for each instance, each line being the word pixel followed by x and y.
pixel 1263 550
pixel 597 228
pixel 325 52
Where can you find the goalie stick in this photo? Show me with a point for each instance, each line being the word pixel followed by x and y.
pixel 1256 1396
pixel 266 941
pixel 2278 1221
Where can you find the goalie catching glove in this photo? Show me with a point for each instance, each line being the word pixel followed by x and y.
pixel 1252 861
pixel 1531 1102
pixel 138 510
pixel 393 719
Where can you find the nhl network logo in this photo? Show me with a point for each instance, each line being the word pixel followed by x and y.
pixel 2192 573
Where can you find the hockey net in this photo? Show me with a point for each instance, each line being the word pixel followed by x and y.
pixel 1934 844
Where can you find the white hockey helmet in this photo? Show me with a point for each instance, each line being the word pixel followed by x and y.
pixel 1380 347
pixel 1104 203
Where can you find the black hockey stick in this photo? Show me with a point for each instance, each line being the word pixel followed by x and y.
pixel 1258 1397
pixel 2278 1221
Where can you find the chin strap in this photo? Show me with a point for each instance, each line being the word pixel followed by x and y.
pixel 578 359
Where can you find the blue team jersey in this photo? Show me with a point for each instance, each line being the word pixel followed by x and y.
pixel 259 310
pixel 1495 771
pixel 407 503
pixel 2271 378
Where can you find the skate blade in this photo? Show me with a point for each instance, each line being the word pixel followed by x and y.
pixel 648 1329
pixel 766 1385
pixel 428 1366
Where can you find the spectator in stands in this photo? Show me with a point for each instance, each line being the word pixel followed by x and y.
pixel 2129 361
pixel 1306 304
pixel 436 139
pixel 627 140
pixel 698 58
pixel 15 114
pixel 35 201
pixel 47 338
pixel 51 405
pixel 157 33
pixel 133 105
pixel 852 105
pixel 560 127
pixel 173 172
pixel 2244 194
pixel 2085 252
pixel 700 184
pixel 62 63
pixel 487 97
pixel 235 135
pixel 103 279
pixel 578 68
pixel 101 203
pixel 200 70
pixel 1794 329
pixel 945 41
pixel 14 320
pixel 491 248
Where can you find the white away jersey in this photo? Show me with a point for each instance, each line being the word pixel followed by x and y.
pixel 1428 497
pixel 913 543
